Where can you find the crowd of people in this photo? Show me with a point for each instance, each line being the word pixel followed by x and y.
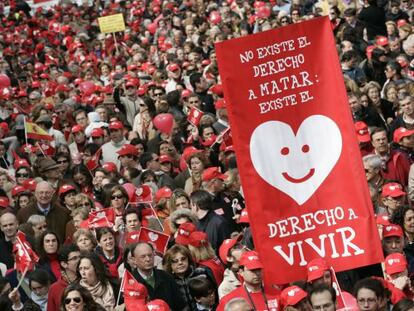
pixel 104 134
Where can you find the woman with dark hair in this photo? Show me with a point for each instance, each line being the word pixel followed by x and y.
pixel 47 248
pixel 77 298
pixel 108 252
pixel 383 107
pixel 23 173
pixel 393 74
pixel 94 277
pixel 83 178
pixel 143 120
pixel 404 217
pixel 65 162
pixel 179 263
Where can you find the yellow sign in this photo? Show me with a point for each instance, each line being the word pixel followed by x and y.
pixel 111 23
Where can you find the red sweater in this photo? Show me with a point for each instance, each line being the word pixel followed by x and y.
pixel 55 295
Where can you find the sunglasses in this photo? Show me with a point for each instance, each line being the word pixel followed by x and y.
pixel 117 197
pixel 22 175
pixel 62 161
pixel 75 299
pixel 158 94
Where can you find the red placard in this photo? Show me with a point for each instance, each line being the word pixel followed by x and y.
pixel 296 149
pixel 194 116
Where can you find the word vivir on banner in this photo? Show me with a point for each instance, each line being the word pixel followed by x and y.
pixel 297 152
pixel 111 23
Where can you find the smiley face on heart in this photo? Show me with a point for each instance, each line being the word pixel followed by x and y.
pixel 296 164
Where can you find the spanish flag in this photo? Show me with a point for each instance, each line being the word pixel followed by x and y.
pixel 34 131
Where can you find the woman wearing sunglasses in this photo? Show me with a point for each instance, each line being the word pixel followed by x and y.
pixel 77 298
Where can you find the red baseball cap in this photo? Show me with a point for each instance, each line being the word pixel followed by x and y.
pixel 110 167
pixel 17 189
pixel 198 238
pixel 292 295
pixel 382 220
pixel 66 188
pixel 4 202
pixel 220 104
pixel 183 233
pixel 19 163
pixel 158 305
pixel 127 149
pixel 30 184
pixel 316 268
pixel 250 260
pixel 173 67
pixel 362 132
pixel 381 40
pixel 392 230
pixel 226 246
pixel 400 133
pixel 213 173
pixel 395 263
pixel 97 132
pixel 116 125
pixel 393 190
pixel 76 129
pixel 164 158
pixel 189 151
pixel 163 192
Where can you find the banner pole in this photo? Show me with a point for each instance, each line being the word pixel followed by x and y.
pixel 121 289
pixel 116 43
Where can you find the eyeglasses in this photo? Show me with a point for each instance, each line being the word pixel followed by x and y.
pixel 62 161
pixel 119 197
pixel 158 94
pixel 22 175
pixel 75 299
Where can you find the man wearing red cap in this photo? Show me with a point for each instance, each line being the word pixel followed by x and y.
pixel 230 252
pixel 110 149
pixel 79 140
pixel 252 289
pixel 128 156
pixel 405 141
pixel 294 298
pixel 393 197
pixel 392 239
pixel 396 269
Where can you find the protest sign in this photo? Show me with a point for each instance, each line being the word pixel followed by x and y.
pixel 297 153
pixel 111 23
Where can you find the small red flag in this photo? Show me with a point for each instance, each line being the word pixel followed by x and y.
pixel 26 258
pixel 102 218
pixel 158 239
pixel 135 293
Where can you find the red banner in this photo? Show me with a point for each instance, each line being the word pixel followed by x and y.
pixel 296 150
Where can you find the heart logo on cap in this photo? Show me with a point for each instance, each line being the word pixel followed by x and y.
pixel 296 164
pixel 153 236
pixel 390 261
pixel 291 293
pixel 388 228
pixel 392 188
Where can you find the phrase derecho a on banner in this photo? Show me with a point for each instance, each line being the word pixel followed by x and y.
pixel 297 152
pixel 111 23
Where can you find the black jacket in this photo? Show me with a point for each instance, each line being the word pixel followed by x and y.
pixel 216 227
pixel 165 288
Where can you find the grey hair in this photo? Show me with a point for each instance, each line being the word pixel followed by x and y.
pixel 372 160
pixel 233 304
pixel 36 219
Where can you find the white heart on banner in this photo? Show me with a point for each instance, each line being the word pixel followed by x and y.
pixel 296 164
pixel 153 236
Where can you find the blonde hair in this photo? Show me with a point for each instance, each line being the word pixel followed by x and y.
pixel 203 252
